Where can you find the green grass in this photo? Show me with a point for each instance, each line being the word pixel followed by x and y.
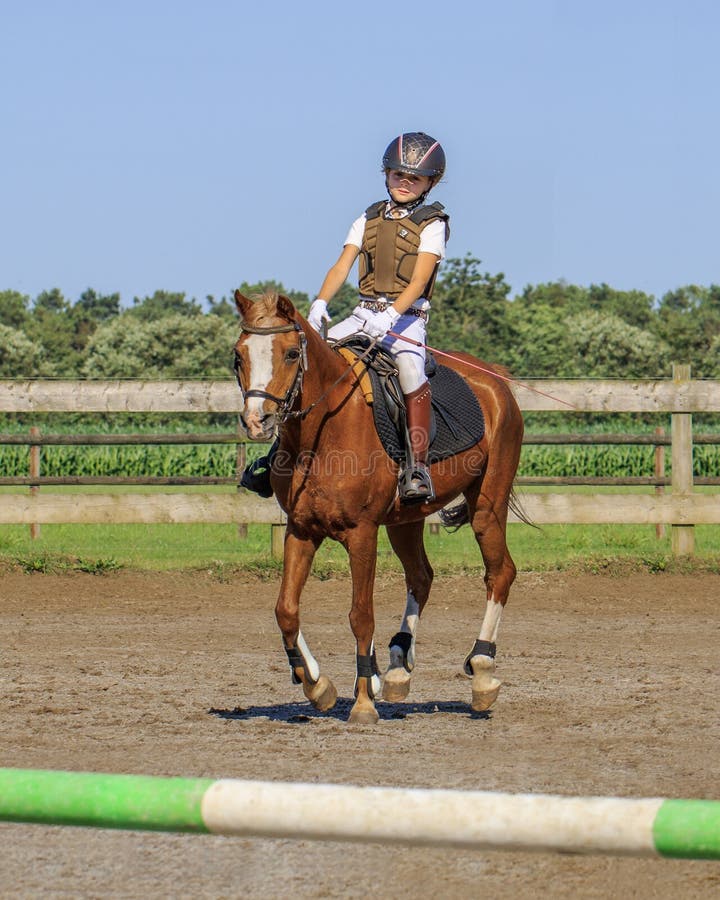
pixel 220 550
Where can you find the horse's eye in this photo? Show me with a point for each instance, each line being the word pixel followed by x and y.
pixel 292 355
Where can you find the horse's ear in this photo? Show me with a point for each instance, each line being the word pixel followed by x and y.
pixel 243 304
pixel 285 308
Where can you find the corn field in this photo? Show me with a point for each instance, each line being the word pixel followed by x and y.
pixel 220 460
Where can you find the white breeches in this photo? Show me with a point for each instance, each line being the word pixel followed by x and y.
pixel 410 359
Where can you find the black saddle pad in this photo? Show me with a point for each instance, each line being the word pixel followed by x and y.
pixel 459 421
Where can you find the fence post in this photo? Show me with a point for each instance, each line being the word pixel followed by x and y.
pixel 683 536
pixel 34 472
pixel 277 541
pixel 659 473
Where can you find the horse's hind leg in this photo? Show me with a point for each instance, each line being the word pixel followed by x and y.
pixel 488 519
pixel 298 557
pixel 407 542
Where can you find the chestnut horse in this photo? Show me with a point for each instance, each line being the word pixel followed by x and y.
pixel 333 478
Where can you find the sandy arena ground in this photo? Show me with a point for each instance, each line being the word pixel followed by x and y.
pixel 610 688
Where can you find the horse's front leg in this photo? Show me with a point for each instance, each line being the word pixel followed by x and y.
pixel 362 549
pixel 297 560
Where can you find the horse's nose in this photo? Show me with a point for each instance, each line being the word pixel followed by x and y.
pixel 256 424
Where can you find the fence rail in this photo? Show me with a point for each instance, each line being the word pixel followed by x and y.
pixel 678 397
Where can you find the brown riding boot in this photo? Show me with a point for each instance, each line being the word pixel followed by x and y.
pixel 415 483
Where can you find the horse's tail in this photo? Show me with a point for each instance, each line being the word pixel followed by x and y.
pixel 457 516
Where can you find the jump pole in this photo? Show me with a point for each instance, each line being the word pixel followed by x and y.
pixel 688 829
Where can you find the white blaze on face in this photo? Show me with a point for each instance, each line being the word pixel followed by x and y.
pixel 260 356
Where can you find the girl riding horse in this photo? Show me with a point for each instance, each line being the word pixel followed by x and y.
pixel 400 243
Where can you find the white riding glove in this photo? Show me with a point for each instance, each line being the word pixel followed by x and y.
pixel 318 314
pixel 363 314
pixel 379 323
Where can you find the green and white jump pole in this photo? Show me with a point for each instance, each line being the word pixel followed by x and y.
pixel 687 829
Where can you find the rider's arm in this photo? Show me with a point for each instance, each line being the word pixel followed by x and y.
pixel 338 273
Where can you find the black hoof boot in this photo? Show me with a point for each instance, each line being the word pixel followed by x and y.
pixel 256 477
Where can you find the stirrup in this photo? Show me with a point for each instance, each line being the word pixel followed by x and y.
pixel 416 485
pixel 256 477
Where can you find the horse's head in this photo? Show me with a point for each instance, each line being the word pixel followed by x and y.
pixel 270 359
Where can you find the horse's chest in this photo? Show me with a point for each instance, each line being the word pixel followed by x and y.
pixel 320 514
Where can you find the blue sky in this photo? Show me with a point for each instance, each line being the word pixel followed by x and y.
pixel 190 146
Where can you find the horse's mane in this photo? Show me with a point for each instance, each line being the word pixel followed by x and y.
pixel 264 308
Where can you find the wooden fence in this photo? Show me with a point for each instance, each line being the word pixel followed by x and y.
pixel 681 507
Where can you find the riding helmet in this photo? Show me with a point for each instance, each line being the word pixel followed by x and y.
pixel 415 153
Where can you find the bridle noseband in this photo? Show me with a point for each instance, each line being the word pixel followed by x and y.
pixel 284 404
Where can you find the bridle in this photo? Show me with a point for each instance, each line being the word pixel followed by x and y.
pixel 284 404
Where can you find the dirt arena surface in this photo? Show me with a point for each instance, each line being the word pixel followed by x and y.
pixel 610 688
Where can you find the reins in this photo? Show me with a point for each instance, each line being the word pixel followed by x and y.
pixel 301 413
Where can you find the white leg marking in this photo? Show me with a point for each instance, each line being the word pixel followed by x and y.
pixel 491 621
pixel 311 663
pixel 409 626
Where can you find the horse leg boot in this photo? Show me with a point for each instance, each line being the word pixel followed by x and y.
pixel 480 661
pixel 396 684
pixel 415 483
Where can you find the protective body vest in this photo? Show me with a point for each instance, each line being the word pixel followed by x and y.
pixel 390 248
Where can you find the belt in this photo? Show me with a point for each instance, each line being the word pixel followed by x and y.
pixel 382 305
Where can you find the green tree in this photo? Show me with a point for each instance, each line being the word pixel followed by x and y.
pixel 21 357
pixel 470 310
pixel 14 309
pixel 606 346
pixel 634 307
pixel 343 303
pixel 689 320
pixel 52 326
pixel 162 304
pixel 175 346
pixel 223 307
pixel 557 295
pixel 89 312
pixel 300 300
pixel 540 348
pixel 97 307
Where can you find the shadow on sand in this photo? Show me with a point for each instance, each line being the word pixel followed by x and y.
pixel 303 712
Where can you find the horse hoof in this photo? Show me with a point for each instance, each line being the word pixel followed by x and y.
pixel 363 715
pixel 322 694
pixel 484 697
pixel 396 685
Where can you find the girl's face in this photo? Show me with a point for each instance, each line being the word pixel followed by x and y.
pixel 405 188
